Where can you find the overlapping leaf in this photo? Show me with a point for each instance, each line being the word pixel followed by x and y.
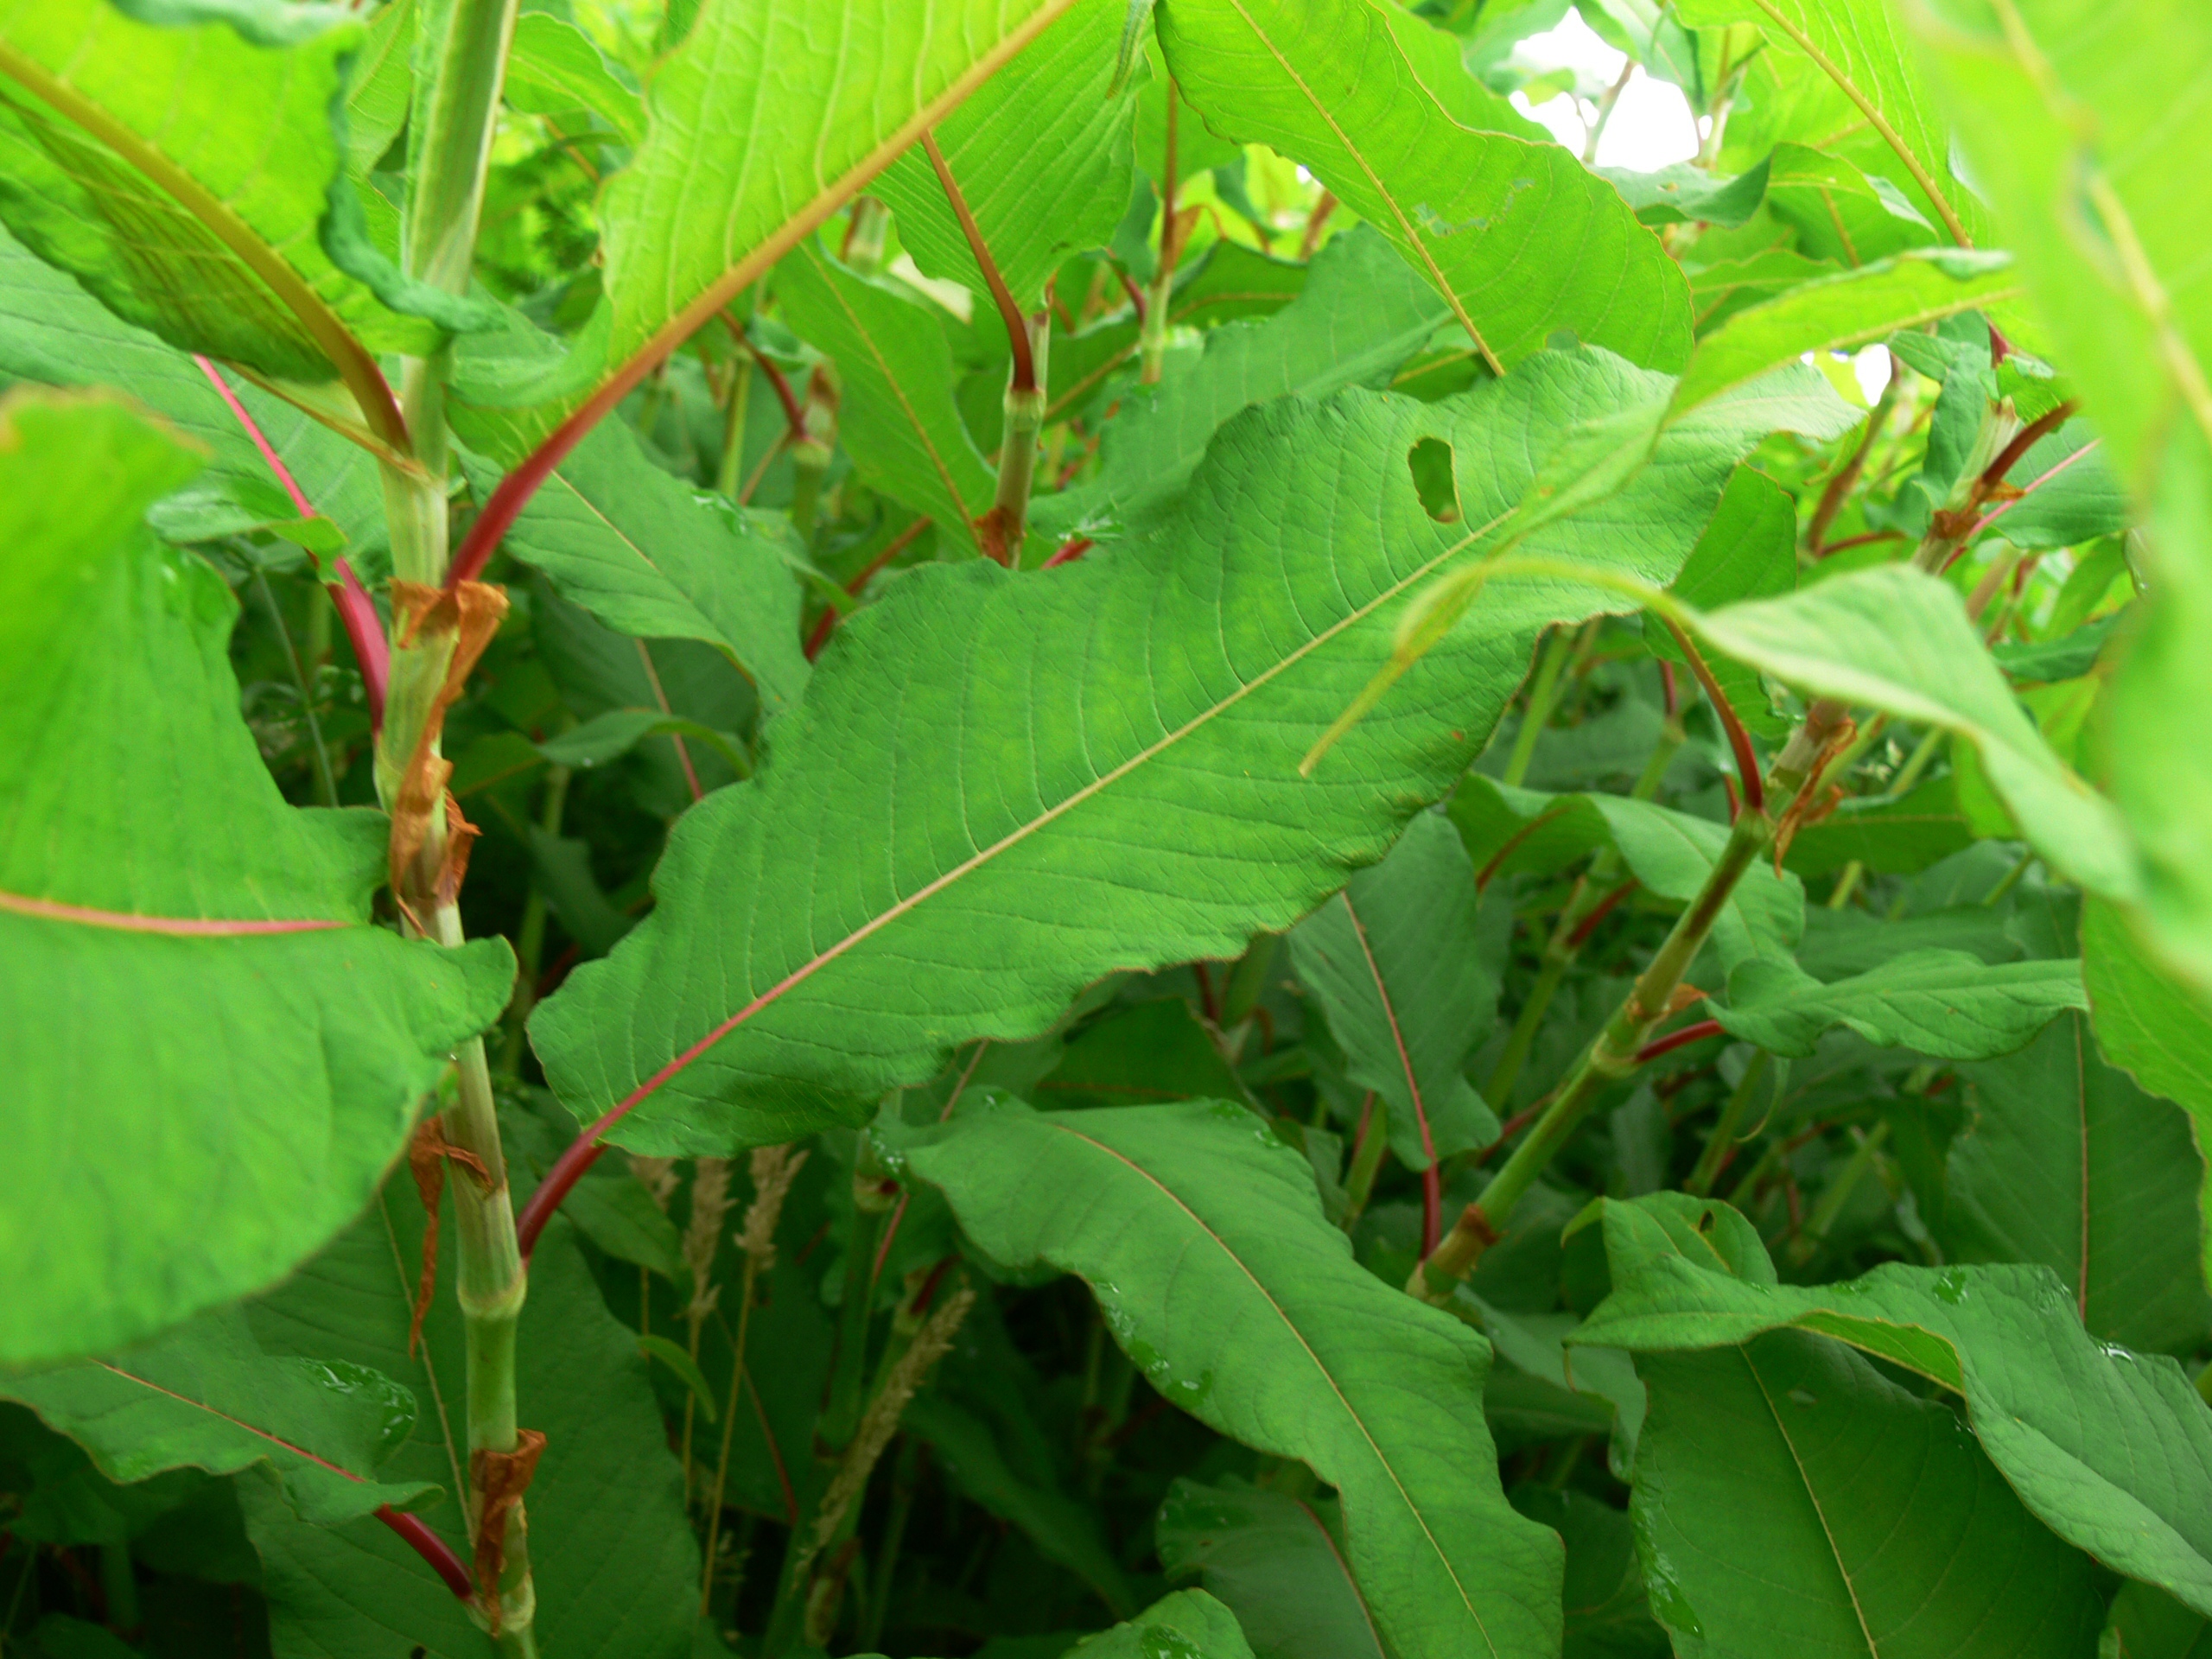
pixel 217 1058
pixel 1275 1562
pixel 1202 1239
pixel 1519 237
pixel 1943 1002
pixel 942 872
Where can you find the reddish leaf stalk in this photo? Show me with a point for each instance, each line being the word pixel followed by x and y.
pixel 1071 551
pixel 1863 540
pixel 431 1548
pixel 1603 909
pixel 1739 740
pixel 1674 1039
pixel 268 450
pixel 860 579
pixel 1017 329
pixel 357 612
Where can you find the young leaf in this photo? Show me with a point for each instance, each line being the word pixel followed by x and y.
pixel 1521 240
pixel 1360 314
pixel 1946 1003
pixel 1042 156
pixel 553 68
pixel 616 1562
pixel 1275 1562
pixel 1790 1498
pixel 196 1000
pixel 1839 212
pixel 1895 639
pixel 1835 312
pixel 207 1396
pixel 649 557
pixel 1395 961
pixel 181 172
pixel 1155 796
pixel 2067 1163
pixel 1202 1237
pixel 899 419
pixel 2111 1450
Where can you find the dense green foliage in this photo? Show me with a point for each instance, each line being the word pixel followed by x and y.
pixel 1327 886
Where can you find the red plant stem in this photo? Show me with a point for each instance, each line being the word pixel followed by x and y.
pixel 893 548
pixel 1739 740
pixel 1512 842
pixel 1432 1209
pixel 568 1169
pixel 268 450
pixel 2030 435
pixel 1674 1039
pixel 431 1548
pixel 1130 286
pixel 1513 1125
pixel 1069 553
pixel 1668 687
pixel 1604 908
pixel 1828 548
pixel 794 416
pixel 2029 489
pixel 357 612
pixel 1017 327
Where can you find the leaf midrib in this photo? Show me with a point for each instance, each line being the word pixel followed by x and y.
pixel 1052 815
pixel 1381 1457
pixel 1819 1513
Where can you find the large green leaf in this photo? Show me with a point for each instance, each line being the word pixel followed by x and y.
pixel 1944 1002
pixel 207 1396
pixel 1836 312
pixel 1188 1625
pixel 2111 1450
pixel 1360 314
pixel 1857 48
pixel 1900 641
pixel 1521 239
pixel 651 557
pixel 51 331
pixel 1203 1240
pixel 898 420
pixel 1608 1615
pixel 216 1056
pixel 1276 1565
pixel 2068 1164
pixel 704 209
pixel 1788 1499
pixel 182 172
pixel 616 1562
pixel 2153 1026
pixel 1395 963
pixel 1043 158
pixel 2066 110
pixel 945 872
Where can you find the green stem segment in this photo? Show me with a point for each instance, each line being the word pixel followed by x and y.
pixel 1152 336
pixel 1025 420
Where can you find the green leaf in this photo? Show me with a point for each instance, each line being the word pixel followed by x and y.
pixel 554 68
pixel 51 331
pixel 686 1369
pixel 1788 1499
pixel 1748 551
pixel 1154 794
pixel 1519 237
pixel 1188 1625
pixel 891 72
pixel 1838 212
pixel 1899 836
pixel 1857 47
pixel 1063 1529
pixel 614 733
pixel 1396 962
pixel 652 557
pixel 1670 853
pixel 380 85
pixel 1535 1344
pixel 1276 1565
pixel 1947 1003
pixel 205 1396
pixel 181 172
pixel 2067 1163
pixel 1836 312
pixel 2152 1627
pixel 1900 641
pixel 1360 314
pixel 1156 1051
pixel 1043 157
pixel 616 1564
pixel 2151 1025
pixel 900 422
pixel 1608 1616
pixel 1202 1237
pixel 2111 1450
pixel 194 1001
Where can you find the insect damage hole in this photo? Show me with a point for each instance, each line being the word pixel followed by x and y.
pixel 1430 462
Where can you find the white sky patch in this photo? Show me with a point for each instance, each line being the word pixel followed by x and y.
pixel 1651 125
pixel 1872 365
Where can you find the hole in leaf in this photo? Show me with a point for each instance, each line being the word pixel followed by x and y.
pixel 1430 462
pixel 1704 1221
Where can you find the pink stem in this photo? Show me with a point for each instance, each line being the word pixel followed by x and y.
pixel 1674 1039
pixel 431 1548
pixel 1069 554
pixel 268 450
pixel 358 613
